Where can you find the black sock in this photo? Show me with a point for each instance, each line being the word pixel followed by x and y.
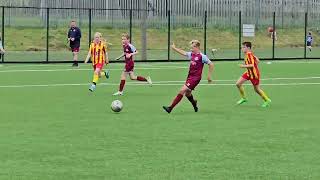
pixel 190 98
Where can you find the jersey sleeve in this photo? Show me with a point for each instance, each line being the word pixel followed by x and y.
pixel 205 59
pixel 188 55
pixel 133 49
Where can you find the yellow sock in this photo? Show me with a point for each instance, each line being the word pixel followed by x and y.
pixel 102 73
pixel 95 78
pixel 242 92
pixel 264 96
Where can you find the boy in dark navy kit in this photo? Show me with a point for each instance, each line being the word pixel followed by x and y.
pixel 74 37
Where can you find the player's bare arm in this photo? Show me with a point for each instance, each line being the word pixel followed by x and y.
pixel 246 65
pixel 132 54
pixel 88 57
pixel 211 67
pixel 257 59
pixel 107 58
pixel 180 51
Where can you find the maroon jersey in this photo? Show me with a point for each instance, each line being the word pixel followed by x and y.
pixel 127 49
pixel 196 64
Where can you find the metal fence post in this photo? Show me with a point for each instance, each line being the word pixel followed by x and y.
pixel 169 31
pixel 240 35
pixel 205 32
pixel 273 34
pixel 2 33
pixel 90 26
pixel 130 28
pixel 305 34
pixel 47 46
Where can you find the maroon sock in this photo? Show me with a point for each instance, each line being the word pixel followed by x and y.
pixel 176 100
pixel 140 78
pixel 122 83
pixel 190 98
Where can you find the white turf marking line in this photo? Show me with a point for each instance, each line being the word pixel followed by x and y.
pixel 167 63
pixel 61 70
pixel 234 80
pixel 143 84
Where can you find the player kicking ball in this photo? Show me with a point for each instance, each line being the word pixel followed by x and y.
pixel 128 52
pixel 99 57
pixel 197 61
pixel 252 74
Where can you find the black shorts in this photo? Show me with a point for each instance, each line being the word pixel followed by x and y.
pixel 308 43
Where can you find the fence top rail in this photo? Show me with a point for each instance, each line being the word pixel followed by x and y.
pixel 101 9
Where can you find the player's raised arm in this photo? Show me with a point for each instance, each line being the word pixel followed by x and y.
pixel 180 51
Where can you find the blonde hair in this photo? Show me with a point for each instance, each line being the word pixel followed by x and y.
pixel 126 35
pixel 101 38
pixel 195 42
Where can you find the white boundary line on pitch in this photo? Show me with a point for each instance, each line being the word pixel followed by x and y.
pixel 90 69
pixel 168 63
pixel 234 80
pixel 143 84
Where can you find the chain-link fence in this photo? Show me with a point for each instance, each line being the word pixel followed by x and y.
pixel 33 34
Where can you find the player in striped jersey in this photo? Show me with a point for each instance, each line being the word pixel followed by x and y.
pixel 252 74
pixel 99 57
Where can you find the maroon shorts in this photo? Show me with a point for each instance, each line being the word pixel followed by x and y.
pixel 75 49
pixel 98 66
pixel 192 83
pixel 129 67
pixel 254 81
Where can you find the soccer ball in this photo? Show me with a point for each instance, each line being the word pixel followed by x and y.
pixel 116 106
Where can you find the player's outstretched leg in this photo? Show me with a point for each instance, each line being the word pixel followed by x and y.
pixel 192 100
pixel 122 83
pixel 176 100
pixel 239 84
pixel 141 78
pixel 266 99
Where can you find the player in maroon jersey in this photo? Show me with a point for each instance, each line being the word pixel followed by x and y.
pixel 128 52
pixel 197 61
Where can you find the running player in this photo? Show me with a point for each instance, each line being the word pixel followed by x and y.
pixel 252 74
pixel 197 61
pixel 99 57
pixel 128 52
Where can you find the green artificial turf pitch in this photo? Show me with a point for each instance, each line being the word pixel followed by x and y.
pixel 52 127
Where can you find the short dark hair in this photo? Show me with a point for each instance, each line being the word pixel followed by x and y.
pixel 247 44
